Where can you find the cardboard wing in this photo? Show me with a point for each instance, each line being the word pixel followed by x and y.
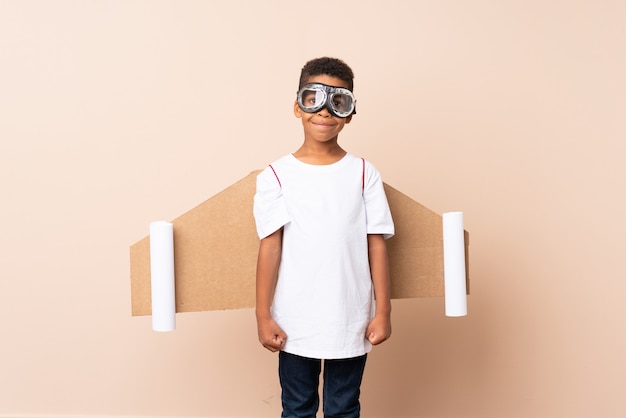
pixel 215 251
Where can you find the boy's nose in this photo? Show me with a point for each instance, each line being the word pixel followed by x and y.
pixel 323 112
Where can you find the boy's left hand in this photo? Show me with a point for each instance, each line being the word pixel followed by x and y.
pixel 379 329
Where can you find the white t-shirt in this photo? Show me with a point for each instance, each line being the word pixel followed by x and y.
pixel 323 298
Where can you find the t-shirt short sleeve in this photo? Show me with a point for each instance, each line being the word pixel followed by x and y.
pixel 270 211
pixel 378 215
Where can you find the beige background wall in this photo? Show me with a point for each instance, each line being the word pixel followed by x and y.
pixel 117 113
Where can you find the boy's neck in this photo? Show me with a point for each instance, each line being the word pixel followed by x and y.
pixel 320 154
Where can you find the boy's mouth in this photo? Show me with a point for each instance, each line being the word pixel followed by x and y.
pixel 323 125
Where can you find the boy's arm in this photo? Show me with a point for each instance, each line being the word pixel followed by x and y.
pixel 271 335
pixel 379 328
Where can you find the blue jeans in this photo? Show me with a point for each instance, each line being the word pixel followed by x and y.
pixel 299 380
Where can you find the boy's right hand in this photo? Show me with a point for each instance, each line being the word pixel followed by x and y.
pixel 271 335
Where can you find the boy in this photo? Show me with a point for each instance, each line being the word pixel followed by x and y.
pixel 322 217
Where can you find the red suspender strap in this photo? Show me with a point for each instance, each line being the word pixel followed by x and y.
pixel 363 176
pixel 277 179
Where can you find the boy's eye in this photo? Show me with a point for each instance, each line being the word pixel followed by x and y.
pixel 309 99
pixel 339 102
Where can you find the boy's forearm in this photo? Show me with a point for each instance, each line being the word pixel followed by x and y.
pixel 267 273
pixel 383 306
pixel 265 285
pixel 383 303
pixel 381 279
pixel 263 302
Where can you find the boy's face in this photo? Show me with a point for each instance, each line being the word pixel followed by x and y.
pixel 322 126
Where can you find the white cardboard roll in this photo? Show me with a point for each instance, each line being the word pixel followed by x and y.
pixel 454 264
pixel 162 276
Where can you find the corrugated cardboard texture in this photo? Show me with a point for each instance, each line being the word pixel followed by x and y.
pixel 215 251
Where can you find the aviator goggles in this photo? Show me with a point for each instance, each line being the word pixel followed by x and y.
pixel 339 101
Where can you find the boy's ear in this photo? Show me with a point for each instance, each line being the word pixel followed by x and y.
pixel 348 119
pixel 296 110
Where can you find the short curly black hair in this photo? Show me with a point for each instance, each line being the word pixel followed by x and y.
pixel 333 67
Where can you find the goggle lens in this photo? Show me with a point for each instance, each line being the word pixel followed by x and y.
pixel 313 99
pixel 342 103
